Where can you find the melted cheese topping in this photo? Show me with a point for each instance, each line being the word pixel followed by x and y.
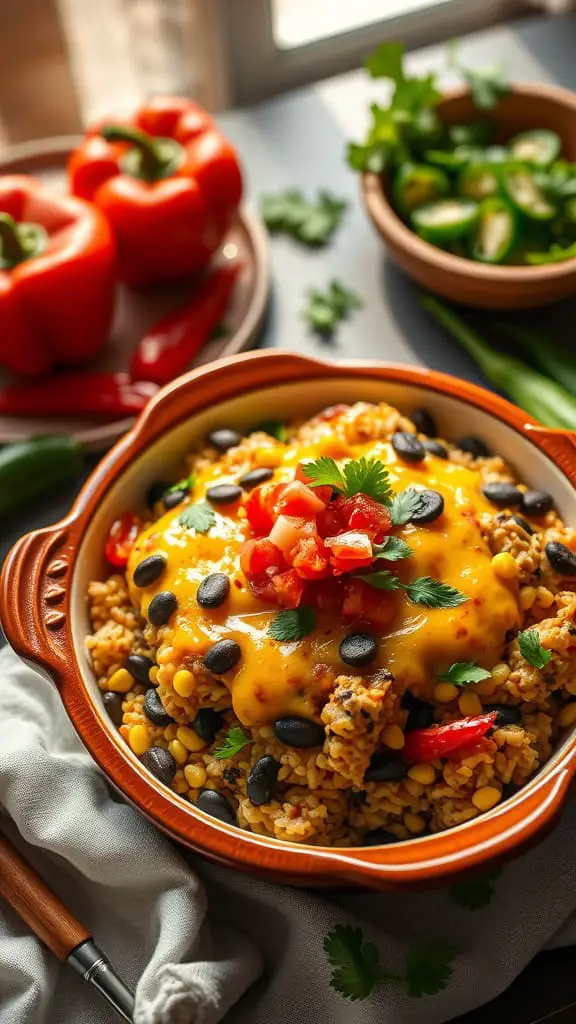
pixel 276 679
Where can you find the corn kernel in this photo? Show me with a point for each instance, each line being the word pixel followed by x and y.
pixel 415 789
pixel 470 704
pixel 153 675
pixel 545 597
pixel 139 739
pixel 486 688
pixel 424 773
pixel 568 715
pixel 178 751
pixel 195 775
pixel 180 786
pixel 414 823
pixel 170 732
pixel 269 457
pixel 570 687
pixel 184 683
pixel 486 797
pixel 121 681
pixel 505 566
pixel 500 673
pixel 393 737
pixel 526 597
pixel 124 731
pixel 445 692
pixel 190 739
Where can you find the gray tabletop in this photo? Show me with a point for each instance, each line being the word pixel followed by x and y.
pixel 298 140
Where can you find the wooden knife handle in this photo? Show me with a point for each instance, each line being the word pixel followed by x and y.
pixel 36 904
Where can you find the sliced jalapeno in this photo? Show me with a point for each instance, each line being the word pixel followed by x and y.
pixel 416 184
pixel 495 231
pixel 477 181
pixel 539 147
pixel 453 160
pixel 495 154
pixel 446 219
pixel 524 192
pixel 475 133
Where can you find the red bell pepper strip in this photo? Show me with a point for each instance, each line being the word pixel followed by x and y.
pixel 169 347
pixel 56 277
pixel 78 394
pixel 441 740
pixel 121 537
pixel 169 183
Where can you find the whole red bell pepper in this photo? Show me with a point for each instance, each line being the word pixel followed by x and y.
pixel 442 740
pixel 169 183
pixel 56 277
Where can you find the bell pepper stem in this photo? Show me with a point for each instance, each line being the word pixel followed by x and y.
pixel 13 249
pixel 153 160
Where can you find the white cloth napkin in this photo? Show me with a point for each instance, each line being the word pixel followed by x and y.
pixel 192 938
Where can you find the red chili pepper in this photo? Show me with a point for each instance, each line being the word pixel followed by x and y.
pixel 168 348
pixel 441 740
pixel 78 394
pixel 168 182
pixel 121 537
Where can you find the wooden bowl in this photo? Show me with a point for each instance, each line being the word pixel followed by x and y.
pixel 466 281
pixel 44 610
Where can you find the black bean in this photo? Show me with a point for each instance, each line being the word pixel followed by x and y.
pixel 424 422
pixel 222 656
pixel 536 504
pixel 474 446
pixel 435 448
pixel 216 805
pixel 113 704
pixel 507 714
pixel 213 590
pixel 155 492
pixel 224 494
pixel 379 837
pixel 261 781
pixel 509 789
pixel 523 525
pixel 154 709
pixel 407 446
pixel 385 768
pixel 149 570
pixel 255 477
pixel 161 607
pixel 561 558
pixel 299 732
pixel 174 498
pixel 358 649
pixel 139 666
pixel 224 439
pixel 420 713
pixel 502 495
pixel 208 723
pixel 430 507
pixel 161 763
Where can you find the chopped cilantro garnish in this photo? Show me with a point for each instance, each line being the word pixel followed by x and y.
pixel 198 517
pixel 292 624
pixel 461 673
pixel 532 649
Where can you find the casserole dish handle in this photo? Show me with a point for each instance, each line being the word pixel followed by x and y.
pixel 35 584
pixel 560 445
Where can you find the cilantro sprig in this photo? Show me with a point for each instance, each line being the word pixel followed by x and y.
pixel 199 517
pixel 462 673
pixel 532 650
pixel 311 223
pixel 274 428
pixel 358 476
pixel 292 624
pixel 424 590
pixel 478 893
pixel 404 505
pixel 325 309
pixel 393 549
pixel 234 741
pixel 487 85
pixel 356 965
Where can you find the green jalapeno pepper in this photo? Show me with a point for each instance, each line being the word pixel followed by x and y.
pixel 494 232
pixel 478 180
pixel 522 190
pixel 539 147
pixel 475 133
pixel 445 219
pixel 416 184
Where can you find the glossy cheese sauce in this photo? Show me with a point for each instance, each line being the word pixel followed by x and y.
pixel 276 679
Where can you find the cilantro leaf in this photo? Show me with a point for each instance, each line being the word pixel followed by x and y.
pixel 292 623
pixel 382 579
pixel 428 969
pixel 532 650
pixel 311 223
pixel 487 86
pixel 432 593
pixel 368 476
pixel 186 484
pixel 476 894
pixel 355 962
pixel 274 428
pixel 234 741
pixel 404 505
pixel 327 308
pixel 556 254
pixel 461 673
pixel 371 156
pixel 393 549
pixel 386 62
pixel 323 472
pixel 198 517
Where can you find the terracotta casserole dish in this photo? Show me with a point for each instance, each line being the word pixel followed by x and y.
pixel 45 618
